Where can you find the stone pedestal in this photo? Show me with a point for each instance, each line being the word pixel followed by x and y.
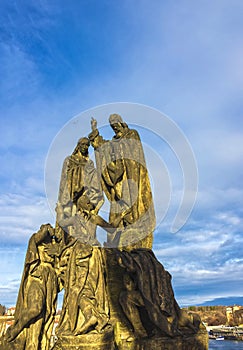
pixel 197 341
pixel 103 341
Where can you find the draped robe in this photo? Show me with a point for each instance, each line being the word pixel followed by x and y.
pixel 125 181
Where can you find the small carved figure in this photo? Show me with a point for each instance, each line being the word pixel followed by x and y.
pixel 131 300
pixel 36 305
pixel 125 181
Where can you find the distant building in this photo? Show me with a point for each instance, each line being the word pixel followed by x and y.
pixel 234 315
pixel 11 311
pixel 238 317
pixel 229 315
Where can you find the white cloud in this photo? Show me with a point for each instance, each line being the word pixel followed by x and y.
pixel 11 267
pixel 21 216
pixel 18 72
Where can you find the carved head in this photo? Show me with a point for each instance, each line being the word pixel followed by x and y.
pixel 115 118
pixel 45 232
pixel 117 124
pixel 82 146
pixel 84 204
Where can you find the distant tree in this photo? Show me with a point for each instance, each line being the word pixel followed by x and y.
pixel 2 310
pixel 238 317
pixel 192 308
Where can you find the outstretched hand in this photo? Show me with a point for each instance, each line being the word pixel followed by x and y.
pixel 11 334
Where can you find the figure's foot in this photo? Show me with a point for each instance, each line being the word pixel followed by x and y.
pixel 86 326
pixel 10 334
pixel 137 335
pixel 131 338
pixel 101 325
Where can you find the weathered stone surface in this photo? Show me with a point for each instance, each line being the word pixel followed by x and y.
pixel 88 341
pixel 105 342
pixel 195 342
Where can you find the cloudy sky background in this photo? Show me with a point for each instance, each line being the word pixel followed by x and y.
pixel 184 58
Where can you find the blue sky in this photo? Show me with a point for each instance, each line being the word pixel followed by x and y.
pixel 183 58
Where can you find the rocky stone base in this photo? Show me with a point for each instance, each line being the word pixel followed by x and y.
pixel 94 341
pixel 89 341
pixel 198 341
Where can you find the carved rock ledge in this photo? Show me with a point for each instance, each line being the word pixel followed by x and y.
pixel 197 341
pixel 103 341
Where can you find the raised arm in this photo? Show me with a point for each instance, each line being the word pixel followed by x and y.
pixel 93 124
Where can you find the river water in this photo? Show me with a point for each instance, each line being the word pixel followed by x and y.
pixel 225 345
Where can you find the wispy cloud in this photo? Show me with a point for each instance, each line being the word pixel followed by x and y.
pixel 204 257
pixel 22 215
pixel 12 264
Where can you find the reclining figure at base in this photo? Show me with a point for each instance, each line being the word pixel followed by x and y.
pixel 148 301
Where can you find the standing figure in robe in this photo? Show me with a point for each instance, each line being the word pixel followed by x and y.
pixel 125 181
pixel 78 180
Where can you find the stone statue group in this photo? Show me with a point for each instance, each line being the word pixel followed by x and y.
pixel 114 294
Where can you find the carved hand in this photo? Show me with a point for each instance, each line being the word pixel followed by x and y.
pixel 52 250
pixel 11 333
pixel 93 124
